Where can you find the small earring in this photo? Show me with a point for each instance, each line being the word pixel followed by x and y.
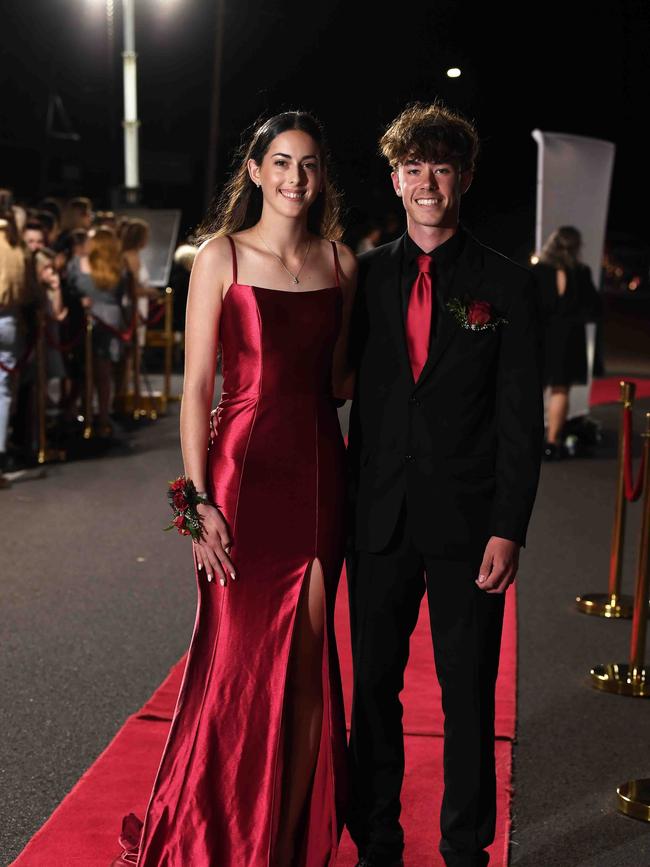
pixel 258 186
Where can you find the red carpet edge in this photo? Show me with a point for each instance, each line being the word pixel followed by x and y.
pixel 83 830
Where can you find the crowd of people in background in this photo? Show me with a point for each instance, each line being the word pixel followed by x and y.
pixel 65 260
pixel 61 261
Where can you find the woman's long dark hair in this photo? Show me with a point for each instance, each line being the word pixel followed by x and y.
pixel 562 248
pixel 239 206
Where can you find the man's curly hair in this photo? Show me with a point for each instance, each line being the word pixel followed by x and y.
pixel 431 133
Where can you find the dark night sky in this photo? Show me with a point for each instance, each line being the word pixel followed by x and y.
pixel 580 68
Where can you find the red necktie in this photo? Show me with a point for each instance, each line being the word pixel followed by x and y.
pixel 418 316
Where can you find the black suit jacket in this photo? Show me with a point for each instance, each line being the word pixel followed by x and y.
pixel 463 444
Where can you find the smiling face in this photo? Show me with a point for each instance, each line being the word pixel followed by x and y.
pixel 291 173
pixel 431 191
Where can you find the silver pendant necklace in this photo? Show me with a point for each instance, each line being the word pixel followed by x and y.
pixel 293 276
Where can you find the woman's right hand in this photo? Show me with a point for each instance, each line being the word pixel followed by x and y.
pixel 212 550
pixel 213 426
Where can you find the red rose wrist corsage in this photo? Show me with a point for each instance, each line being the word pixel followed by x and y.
pixel 183 499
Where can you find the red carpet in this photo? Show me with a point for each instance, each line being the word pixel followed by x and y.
pixel 83 830
pixel 608 390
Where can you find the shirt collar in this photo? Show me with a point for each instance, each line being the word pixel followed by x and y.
pixel 442 255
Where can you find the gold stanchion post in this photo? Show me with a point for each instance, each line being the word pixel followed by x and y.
pixel 88 396
pixel 138 409
pixel 169 344
pixel 45 453
pixel 618 677
pixel 634 799
pixel 41 384
pixel 151 403
pixel 123 400
pixel 612 604
pixel 162 338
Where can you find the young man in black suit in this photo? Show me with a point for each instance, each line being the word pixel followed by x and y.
pixel 446 436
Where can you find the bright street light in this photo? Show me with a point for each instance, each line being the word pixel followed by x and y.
pixel 131 122
pixel 454 72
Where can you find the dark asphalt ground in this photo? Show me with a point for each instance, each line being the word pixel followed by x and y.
pixel 575 744
pixel 97 603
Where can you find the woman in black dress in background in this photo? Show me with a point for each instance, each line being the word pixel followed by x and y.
pixel 568 300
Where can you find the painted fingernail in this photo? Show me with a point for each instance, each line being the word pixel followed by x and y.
pixel 200 566
pixel 481 578
pixel 209 577
pixel 222 581
pixel 233 576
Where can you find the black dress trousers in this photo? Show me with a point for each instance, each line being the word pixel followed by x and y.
pixel 386 589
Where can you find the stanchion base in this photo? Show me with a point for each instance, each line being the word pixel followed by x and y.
pixel 634 799
pixel 149 405
pixel 46 456
pixel 605 605
pixel 617 678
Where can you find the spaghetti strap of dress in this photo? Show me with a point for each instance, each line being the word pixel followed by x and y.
pixel 336 264
pixel 233 250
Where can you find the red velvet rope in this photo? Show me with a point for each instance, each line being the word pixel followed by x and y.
pixel 155 317
pixel 64 347
pixel 70 344
pixel 123 335
pixel 632 491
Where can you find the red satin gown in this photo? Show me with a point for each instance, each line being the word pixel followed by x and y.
pixel 276 469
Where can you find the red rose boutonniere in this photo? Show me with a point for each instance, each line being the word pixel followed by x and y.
pixel 475 315
pixel 183 499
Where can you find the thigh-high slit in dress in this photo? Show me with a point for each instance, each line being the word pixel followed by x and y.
pixel 276 471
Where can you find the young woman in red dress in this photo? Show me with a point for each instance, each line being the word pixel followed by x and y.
pixel 253 772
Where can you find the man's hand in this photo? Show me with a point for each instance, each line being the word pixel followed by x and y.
pixel 499 566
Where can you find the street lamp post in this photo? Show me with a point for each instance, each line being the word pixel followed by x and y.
pixel 215 103
pixel 130 122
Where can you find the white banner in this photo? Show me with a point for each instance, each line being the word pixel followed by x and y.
pixel 574 177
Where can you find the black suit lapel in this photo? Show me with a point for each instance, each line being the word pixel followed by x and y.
pixel 392 300
pixel 467 276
